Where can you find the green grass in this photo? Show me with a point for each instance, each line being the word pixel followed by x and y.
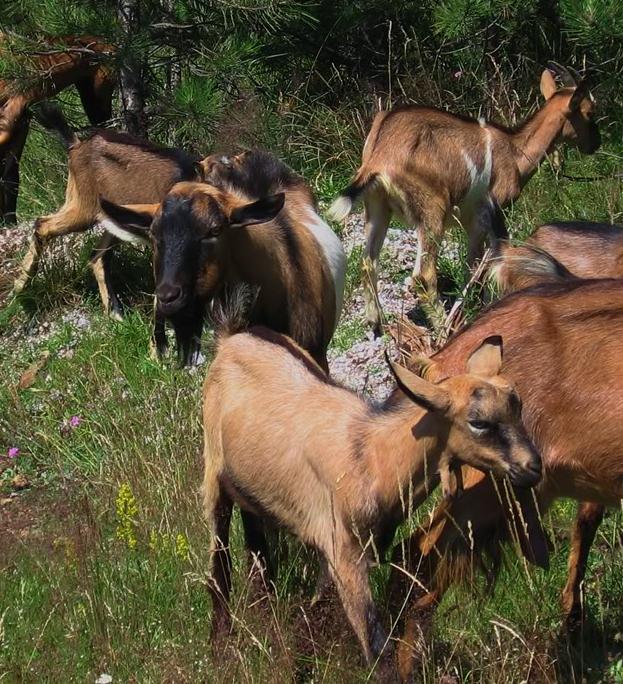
pixel 110 567
pixel 98 587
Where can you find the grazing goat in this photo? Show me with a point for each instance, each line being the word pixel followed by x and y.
pixel 420 163
pixel 105 163
pixel 338 473
pixel 205 239
pixel 564 352
pixel 83 61
pixel 569 249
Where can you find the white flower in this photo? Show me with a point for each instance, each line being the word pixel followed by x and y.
pixel 104 679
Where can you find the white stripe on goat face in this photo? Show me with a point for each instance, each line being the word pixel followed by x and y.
pixel 333 252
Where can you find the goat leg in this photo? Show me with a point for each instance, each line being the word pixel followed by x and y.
pixel 350 574
pixel 451 480
pixel 100 265
pixel 159 344
pixel 30 263
pixel 588 519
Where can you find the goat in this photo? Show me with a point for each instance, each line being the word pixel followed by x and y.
pixel 116 165
pixel 205 238
pixel 83 61
pixel 335 471
pixel 564 353
pixel 559 251
pixel 418 163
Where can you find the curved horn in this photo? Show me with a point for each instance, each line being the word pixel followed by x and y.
pixel 576 75
pixel 565 76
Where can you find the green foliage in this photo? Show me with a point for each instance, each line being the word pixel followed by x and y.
pixel 115 582
pixel 595 24
pixel 32 19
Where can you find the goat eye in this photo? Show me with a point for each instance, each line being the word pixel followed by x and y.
pixel 480 427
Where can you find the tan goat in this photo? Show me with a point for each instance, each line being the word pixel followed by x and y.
pixel 560 251
pixel 107 164
pixel 287 445
pixel 419 164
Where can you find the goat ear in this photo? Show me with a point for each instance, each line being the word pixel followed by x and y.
pixel 424 393
pixel 548 84
pixel 129 223
pixel 262 211
pixel 486 360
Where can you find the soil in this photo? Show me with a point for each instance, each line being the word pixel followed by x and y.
pixel 42 522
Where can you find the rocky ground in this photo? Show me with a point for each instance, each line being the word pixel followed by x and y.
pixel 361 366
pixel 38 329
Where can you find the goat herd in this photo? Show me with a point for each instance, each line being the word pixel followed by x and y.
pixel 292 448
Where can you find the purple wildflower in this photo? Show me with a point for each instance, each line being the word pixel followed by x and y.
pixel 13 452
pixel 69 425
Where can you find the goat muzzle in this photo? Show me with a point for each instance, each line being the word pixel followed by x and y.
pixel 170 299
pixel 527 476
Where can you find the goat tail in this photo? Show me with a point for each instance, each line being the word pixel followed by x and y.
pixel 52 119
pixel 230 311
pixel 343 203
pixel 515 268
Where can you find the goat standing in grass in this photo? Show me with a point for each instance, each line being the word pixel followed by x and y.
pixel 252 221
pixel 287 445
pixel 420 163
pixel 564 344
pixel 106 163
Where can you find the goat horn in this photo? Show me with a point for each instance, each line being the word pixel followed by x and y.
pixel 576 75
pixel 565 76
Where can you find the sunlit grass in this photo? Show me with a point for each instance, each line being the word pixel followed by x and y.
pixel 79 597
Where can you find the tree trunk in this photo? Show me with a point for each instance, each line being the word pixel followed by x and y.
pixel 131 73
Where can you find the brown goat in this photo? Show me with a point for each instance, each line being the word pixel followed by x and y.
pixel 253 221
pixel 83 61
pixel 559 251
pixel 420 163
pixel 105 163
pixel 335 471
pixel 564 346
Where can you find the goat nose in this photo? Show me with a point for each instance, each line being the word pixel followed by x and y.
pixel 168 294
